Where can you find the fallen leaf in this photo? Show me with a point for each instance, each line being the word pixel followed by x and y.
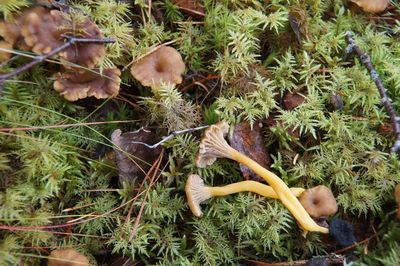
pixel 292 99
pixel 251 143
pixel 134 159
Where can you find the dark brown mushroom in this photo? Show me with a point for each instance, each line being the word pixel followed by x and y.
pixel 74 85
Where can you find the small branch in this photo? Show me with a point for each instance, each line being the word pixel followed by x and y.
pixel 40 58
pixel 170 136
pixel 386 101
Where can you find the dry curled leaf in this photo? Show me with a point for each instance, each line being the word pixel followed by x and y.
pixel 134 159
pixel 251 143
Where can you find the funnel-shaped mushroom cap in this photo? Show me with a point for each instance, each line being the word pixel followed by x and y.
pixel 372 6
pixel 44 32
pixel 78 85
pixel 213 145
pixel 165 65
pixel 196 193
pixel 67 257
pixel 318 201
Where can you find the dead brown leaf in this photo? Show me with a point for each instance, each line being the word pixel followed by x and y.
pixel 251 143
pixel 134 159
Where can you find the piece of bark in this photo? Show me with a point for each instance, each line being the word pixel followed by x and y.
pixel 135 159
pixel 251 143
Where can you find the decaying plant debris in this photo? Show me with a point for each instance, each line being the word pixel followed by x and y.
pixel 104 104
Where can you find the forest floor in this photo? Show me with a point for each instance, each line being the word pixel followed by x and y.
pixel 118 118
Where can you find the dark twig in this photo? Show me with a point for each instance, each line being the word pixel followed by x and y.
pixel 170 136
pixel 386 101
pixel 40 58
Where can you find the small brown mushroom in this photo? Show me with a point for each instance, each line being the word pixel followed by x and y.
pixel 5 55
pixel 44 32
pixel 372 6
pixel 11 32
pixel 165 65
pixel 67 257
pixel 318 201
pixel 86 54
pixel 78 85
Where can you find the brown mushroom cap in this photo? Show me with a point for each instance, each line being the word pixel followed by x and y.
pixel 44 32
pixel 67 257
pixel 5 55
pixel 372 6
pixel 11 32
pixel 165 65
pixel 318 201
pixel 79 85
pixel 86 54
pixel 213 145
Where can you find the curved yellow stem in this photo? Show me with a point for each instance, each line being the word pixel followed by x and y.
pixel 250 186
pixel 283 191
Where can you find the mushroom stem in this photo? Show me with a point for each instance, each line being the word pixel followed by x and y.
pixel 250 186
pixel 282 190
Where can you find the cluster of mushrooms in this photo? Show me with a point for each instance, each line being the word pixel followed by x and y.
pixel 42 30
pixel 304 204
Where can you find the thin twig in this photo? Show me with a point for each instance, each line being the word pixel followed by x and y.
pixel 170 136
pixel 12 129
pixel 40 58
pixel 386 101
pixel 330 259
pixel 355 244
